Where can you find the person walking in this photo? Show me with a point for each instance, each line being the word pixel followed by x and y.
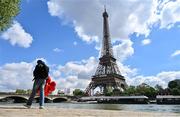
pixel 40 74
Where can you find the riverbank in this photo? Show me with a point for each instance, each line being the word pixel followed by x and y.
pixel 20 111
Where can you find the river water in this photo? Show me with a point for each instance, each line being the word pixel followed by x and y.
pixel 124 107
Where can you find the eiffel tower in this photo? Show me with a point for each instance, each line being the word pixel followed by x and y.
pixel 107 76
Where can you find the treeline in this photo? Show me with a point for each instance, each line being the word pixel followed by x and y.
pixel 143 89
pixel 151 92
pixel 22 91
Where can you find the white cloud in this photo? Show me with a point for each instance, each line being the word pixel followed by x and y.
pixel 16 75
pixel 127 71
pixel 57 50
pixel 75 43
pixel 74 74
pixel 161 78
pixel 125 18
pixel 169 14
pixel 123 50
pixel 145 42
pixel 56 73
pixel 176 53
pixel 78 75
pixel 17 35
pixel 86 17
pixel 80 31
pixel 83 69
pixel 72 82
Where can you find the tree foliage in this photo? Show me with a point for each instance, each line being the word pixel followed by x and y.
pixel 174 87
pixel 175 91
pixel 78 92
pixel 158 88
pixel 116 92
pixel 142 89
pixel 21 91
pixel 131 90
pixel 8 10
pixel 108 93
pixel 174 84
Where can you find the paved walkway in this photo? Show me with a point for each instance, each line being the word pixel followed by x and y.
pixel 21 111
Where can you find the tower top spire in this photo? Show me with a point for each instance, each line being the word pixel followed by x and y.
pixel 104 8
pixel 105 14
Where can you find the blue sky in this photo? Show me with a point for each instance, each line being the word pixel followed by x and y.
pixel 68 34
pixel 156 57
pixel 48 34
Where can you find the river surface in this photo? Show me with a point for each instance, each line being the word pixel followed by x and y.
pixel 124 107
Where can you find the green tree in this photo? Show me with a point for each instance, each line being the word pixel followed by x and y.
pixel 8 10
pixel 29 91
pixel 175 91
pixel 78 92
pixel 131 90
pixel 146 90
pixel 20 91
pixel 158 88
pixel 108 93
pixel 116 92
pixel 172 84
pixel 150 92
pixel 174 87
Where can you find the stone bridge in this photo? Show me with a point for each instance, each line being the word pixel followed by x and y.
pixel 19 98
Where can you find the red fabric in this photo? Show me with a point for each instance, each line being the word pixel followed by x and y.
pixel 48 80
pixel 50 86
pixel 53 84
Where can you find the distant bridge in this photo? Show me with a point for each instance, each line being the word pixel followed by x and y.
pixel 19 98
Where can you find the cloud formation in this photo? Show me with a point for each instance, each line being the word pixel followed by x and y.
pixel 145 42
pixel 161 78
pixel 17 35
pixel 16 76
pixel 125 18
pixel 57 50
pixel 74 74
pixel 176 53
pixel 169 13
pixel 123 50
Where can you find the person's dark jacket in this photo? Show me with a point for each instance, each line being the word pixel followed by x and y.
pixel 41 71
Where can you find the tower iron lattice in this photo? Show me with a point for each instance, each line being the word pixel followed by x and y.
pixel 107 76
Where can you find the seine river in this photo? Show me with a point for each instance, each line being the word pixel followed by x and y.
pixel 125 107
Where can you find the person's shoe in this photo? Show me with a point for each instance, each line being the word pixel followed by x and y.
pixel 27 106
pixel 41 107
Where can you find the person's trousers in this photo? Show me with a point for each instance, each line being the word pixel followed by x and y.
pixel 38 84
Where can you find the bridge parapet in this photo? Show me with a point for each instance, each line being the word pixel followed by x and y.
pixel 50 98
